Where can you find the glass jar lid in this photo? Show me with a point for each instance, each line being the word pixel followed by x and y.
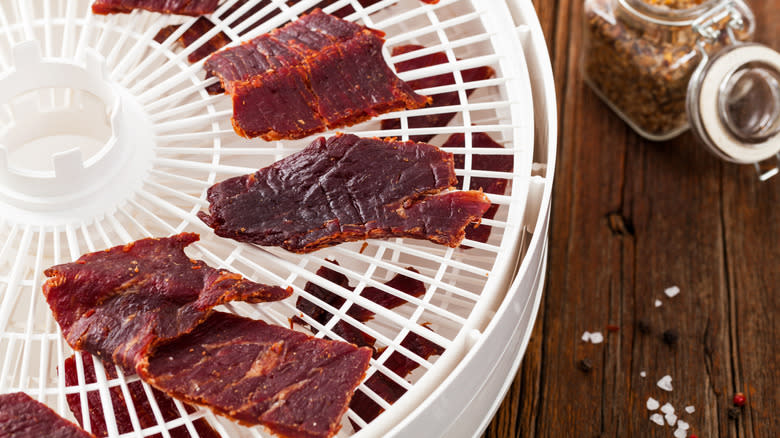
pixel 733 103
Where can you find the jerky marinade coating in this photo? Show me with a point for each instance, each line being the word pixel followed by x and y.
pixel 23 417
pixel 147 307
pixel 117 303
pixel 316 73
pixel 346 188
pixel 181 7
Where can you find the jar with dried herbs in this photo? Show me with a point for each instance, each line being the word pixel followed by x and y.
pixel 640 55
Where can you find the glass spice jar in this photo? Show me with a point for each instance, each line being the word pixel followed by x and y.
pixel 665 66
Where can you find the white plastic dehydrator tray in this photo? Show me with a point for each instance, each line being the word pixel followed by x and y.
pixel 107 136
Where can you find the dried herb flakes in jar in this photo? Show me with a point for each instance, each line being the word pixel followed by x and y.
pixel 640 55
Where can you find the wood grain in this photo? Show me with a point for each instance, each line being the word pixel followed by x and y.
pixel 630 218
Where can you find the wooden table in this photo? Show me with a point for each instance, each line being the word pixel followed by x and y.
pixel 630 218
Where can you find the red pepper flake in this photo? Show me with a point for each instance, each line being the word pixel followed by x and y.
pixel 613 328
pixel 363 247
pixel 693 436
pixel 196 267
pixel 128 247
pixel 81 262
pixel 739 399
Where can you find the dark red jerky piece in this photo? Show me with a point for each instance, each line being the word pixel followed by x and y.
pixel 203 25
pixel 345 189
pixel 347 331
pixel 262 106
pixel 228 65
pixel 119 302
pixel 352 86
pixel 343 69
pixel 439 100
pixel 496 186
pixel 23 417
pixel 385 387
pixel 293 384
pixel 143 408
pixel 398 363
pixel 180 7
pixel 199 28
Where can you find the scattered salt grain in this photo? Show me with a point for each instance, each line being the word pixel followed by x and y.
pixel 652 404
pixel 658 303
pixel 665 383
pixel 690 409
pixel 671 419
pixel 642 374
pixel 680 433
pixel 683 425
pixel 596 338
pixel 667 409
pixel 586 337
pixel 672 292
pixel 657 419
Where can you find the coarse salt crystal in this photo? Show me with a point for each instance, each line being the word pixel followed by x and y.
pixel 665 383
pixel 680 433
pixel 596 338
pixel 657 419
pixel 658 303
pixel 672 292
pixel 667 409
pixel 683 425
pixel 652 404
pixel 642 374
pixel 690 409
pixel 671 419
pixel 586 337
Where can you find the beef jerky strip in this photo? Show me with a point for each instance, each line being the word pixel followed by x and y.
pixel 496 186
pixel 143 409
pixel 293 384
pixel 346 331
pixel 180 7
pixel 345 189
pixel 398 363
pixel 439 100
pixel 118 303
pixel 141 306
pixel 23 417
pixel 204 25
pixel 329 73
pixel 384 386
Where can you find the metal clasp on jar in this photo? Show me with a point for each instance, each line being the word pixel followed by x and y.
pixel 710 25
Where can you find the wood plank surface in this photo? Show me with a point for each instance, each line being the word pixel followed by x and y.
pixel 630 218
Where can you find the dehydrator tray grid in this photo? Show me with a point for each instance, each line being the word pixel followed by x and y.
pixel 175 140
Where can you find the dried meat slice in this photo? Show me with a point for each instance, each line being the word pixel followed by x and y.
pixel 118 303
pixel 398 363
pixel 147 307
pixel 342 189
pixel 291 383
pixel 23 417
pixel 293 43
pixel 439 100
pixel 346 331
pixel 180 7
pixel 200 27
pixel 341 65
pixel 495 163
pixel 386 387
pixel 204 25
pixel 138 398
